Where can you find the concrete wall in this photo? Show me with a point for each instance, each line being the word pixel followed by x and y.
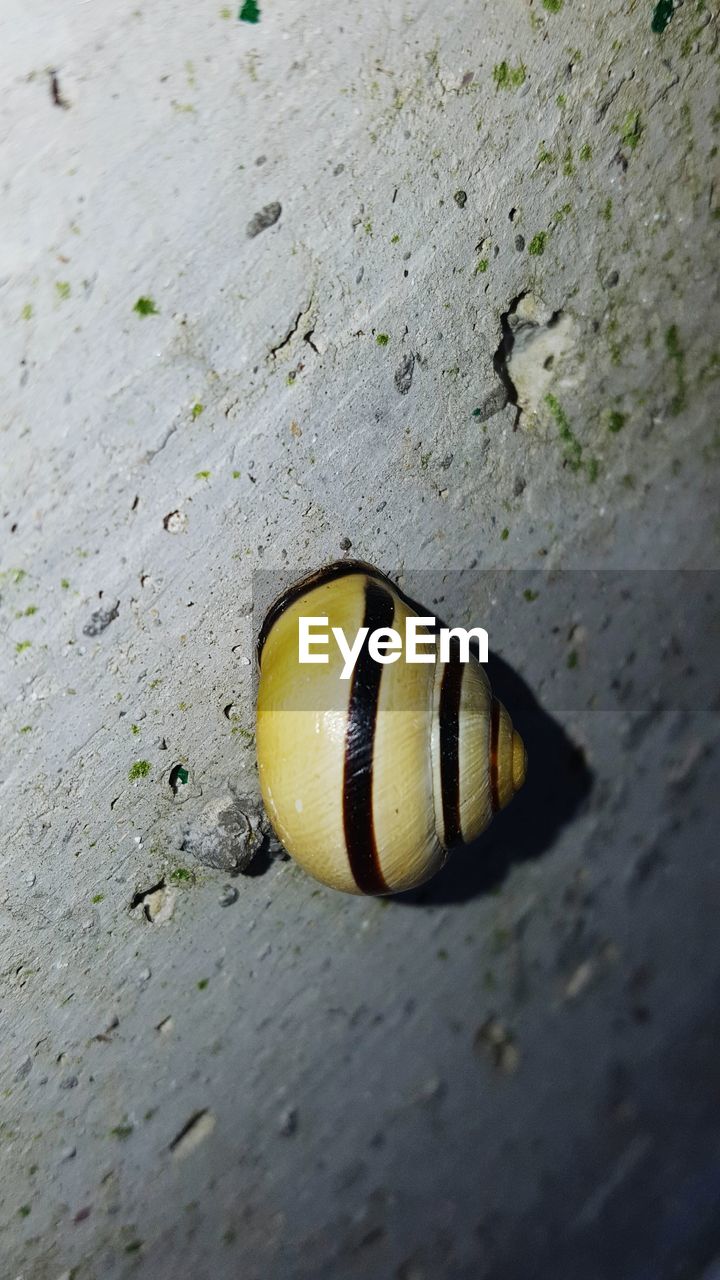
pixel 266 289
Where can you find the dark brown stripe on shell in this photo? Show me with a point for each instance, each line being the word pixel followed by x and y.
pixel 360 746
pixel 449 715
pixel 494 739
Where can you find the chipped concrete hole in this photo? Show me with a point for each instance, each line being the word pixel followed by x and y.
pixel 178 777
pixel 175 521
pixel 157 902
pixel 534 354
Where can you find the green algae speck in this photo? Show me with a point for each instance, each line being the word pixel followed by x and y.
pixel 145 307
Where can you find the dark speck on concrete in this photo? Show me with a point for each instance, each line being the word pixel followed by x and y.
pixel 519 243
pixel 404 374
pixel 460 199
pixel 101 619
pixel 57 98
pixel 264 218
pixel 345 544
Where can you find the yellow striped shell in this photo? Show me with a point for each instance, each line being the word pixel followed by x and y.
pixel 369 782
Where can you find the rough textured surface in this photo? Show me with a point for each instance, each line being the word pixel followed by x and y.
pixel 260 285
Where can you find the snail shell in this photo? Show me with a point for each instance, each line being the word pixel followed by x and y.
pixel 369 782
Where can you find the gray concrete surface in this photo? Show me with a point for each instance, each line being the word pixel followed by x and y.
pixel 514 1072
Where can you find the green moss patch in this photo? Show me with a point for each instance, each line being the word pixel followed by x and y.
pixel 507 77
pixel 677 356
pixel 145 307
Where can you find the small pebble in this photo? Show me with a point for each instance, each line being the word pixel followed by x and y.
pixel 264 218
pixel 404 374
pixel 499 1044
pixel 519 243
pixel 228 895
pixel 432 1090
pixel 101 619
pixel 30 879
pixel 24 1069
pixel 67 1153
pixel 345 544
pixel 579 979
pixel 144 975
pixel 460 199
pixel 288 1122
pixel 68 1082
pixel 225 833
